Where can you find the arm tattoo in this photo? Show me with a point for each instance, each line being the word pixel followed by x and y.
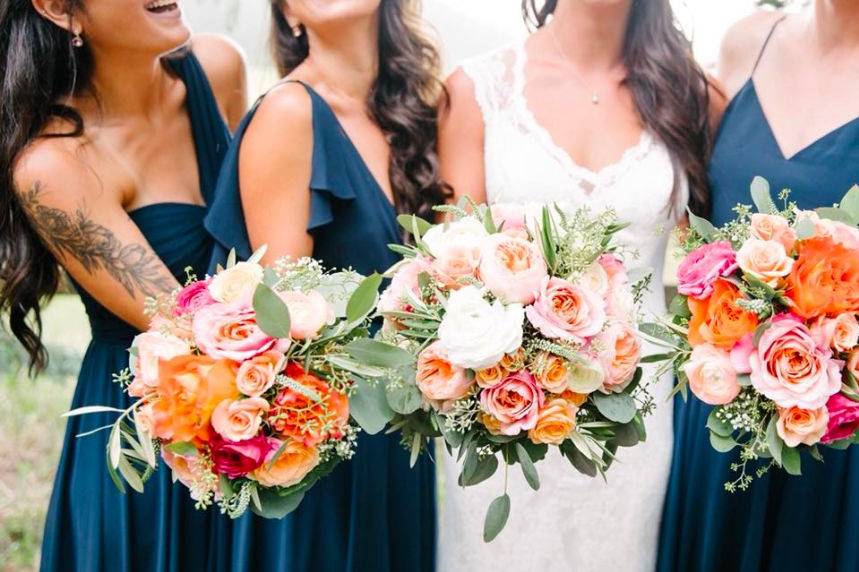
pixel 96 247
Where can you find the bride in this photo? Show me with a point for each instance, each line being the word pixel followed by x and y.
pixel 602 106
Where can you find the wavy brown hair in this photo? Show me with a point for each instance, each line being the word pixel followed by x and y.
pixel 670 90
pixel 402 101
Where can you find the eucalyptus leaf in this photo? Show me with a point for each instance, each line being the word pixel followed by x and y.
pixel 379 354
pixel 363 300
pixel 579 461
pixel 804 227
pixel 276 506
pixel 702 226
pixel 272 314
pixel 408 222
pixel 182 448
pixel 762 197
pixel 114 447
pixel 850 203
pixel 722 444
pixel 836 214
pixel 113 474
pixel 718 426
pixel 528 468
pixel 619 407
pixel 369 406
pixel 496 517
pixel 657 358
pixel 626 435
pixel 337 288
pixel 404 399
pixel 791 461
pixel 130 475
pixel 355 367
pixel 680 306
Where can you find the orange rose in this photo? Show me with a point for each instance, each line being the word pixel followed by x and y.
pixel 825 279
pixel 491 376
pixel 308 409
pixel 551 372
pixel 555 422
pixel 719 320
pixel 514 361
pixel 492 424
pixel 294 463
pixel 189 390
pixel 577 399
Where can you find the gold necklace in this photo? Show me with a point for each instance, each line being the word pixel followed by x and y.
pixel 595 96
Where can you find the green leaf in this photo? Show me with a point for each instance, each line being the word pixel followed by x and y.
pixel 528 468
pixel 276 506
pixel 408 222
pixel 791 461
pixel 814 451
pixel 113 474
pixel 635 382
pixel 804 227
pixel 680 306
pixel 355 367
pixel 850 203
pixel 114 447
pixel 92 409
pixel 702 226
pixel 130 475
pixel 626 435
pixel 404 399
pixel 182 448
pixel 364 298
pixel 581 463
pixel 369 406
pixel 618 407
pixel 836 214
pixel 479 470
pixel 547 239
pixel 226 486
pixel 656 358
pixel 272 314
pixel 496 517
pixel 718 426
pixel 379 354
pixel 231 258
pixel 659 332
pixel 722 444
pixel 488 221
pixel 762 197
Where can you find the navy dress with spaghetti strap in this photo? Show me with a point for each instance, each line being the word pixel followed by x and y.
pixel 91 526
pixel 373 513
pixel 782 523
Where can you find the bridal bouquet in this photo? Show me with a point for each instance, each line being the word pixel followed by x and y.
pixel 522 324
pixel 765 329
pixel 245 383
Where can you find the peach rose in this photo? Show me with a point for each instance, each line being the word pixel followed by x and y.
pixel 621 352
pixel 555 422
pixel 440 381
pixel 551 372
pixel 513 361
pixel 491 376
pixel 239 419
pixel 147 351
pixel 566 311
pixel 615 270
pixel 766 260
pixel 838 232
pixel 515 402
pixel 455 263
pixel 256 375
pixel 512 268
pixel 294 462
pixel 577 399
pixel 236 282
pixel 712 378
pixel 718 319
pixel 190 472
pixel 309 312
pixel 492 424
pixel 840 333
pixel 773 227
pixel 802 426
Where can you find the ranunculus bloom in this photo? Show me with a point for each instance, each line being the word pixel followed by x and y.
pixel 189 471
pixel 801 426
pixel 295 413
pixel 236 282
pixel 515 402
pixel 512 268
pixel 843 418
pixel 256 375
pixel 620 354
pixel 237 459
pixel 791 369
pixel 490 377
pixel 239 419
pixel 189 390
pixel 840 333
pixel 309 312
pixel 193 297
pixel 476 334
pixel 566 311
pixel 552 372
pixel 701 268
pixel 148 349
pixel 712 378
pixel 719 320
pixel 294 463
pixel 766 260
pixel 440 381
pixel 556 421
pixel 773 227
pixel 824 280
pixel 231 332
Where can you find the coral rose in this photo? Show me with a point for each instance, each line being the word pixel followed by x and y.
pixel 515 402
pixel 619 355
pixel 712 377
pixel 701 268
pixel 440 381
pixel 773 227
pixel 766 260
pixel 307 409
pixel 566 311
pixel 801 426
pixel 840 333
pixel 824 280
pixel 512 268
pixel 556 421
pixel 256 375
pixel 843 418
pixel 719 320
pixel 294 462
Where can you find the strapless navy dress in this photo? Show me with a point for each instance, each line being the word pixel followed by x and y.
pixel 782 523
pixel 373 513
pixel 91 526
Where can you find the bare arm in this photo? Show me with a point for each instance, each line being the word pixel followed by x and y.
pixel 224 64
pixel 460 140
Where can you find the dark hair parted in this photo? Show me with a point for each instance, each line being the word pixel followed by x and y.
pixel 670 90
pixel 39 68
pixel 402 101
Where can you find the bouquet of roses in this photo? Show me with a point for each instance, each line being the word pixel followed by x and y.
pixel 523 323
pixel 245 383
pixel 765 329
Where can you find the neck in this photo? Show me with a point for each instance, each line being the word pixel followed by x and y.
pixel 346 60
pixel 591 36
pixel 835 23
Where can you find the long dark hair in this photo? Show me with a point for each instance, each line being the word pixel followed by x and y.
pixel 402 101
pixel 670 90
pixel 39 68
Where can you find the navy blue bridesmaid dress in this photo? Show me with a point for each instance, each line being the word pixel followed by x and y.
pixel 373 513
pixel 782 523
pixel 91 526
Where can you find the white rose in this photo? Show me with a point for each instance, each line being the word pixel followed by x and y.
pixel 467 230
pixel 476 334
pixel 149 348
pixel 231 284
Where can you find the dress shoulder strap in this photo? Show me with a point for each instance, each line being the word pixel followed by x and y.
pixel 766 43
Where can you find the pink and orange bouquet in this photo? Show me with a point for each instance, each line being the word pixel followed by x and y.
pixel 765 329
pixel 522 321
pixel 247 386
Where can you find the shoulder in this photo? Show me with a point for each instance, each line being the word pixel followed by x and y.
pixel 741 46
pixel 56 162
pixel 282 124
pixel 224 63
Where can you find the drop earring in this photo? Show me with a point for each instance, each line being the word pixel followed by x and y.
pixel 77 41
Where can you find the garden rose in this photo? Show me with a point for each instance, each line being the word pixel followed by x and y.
pixel 791 369
pixel 824 280
pixel 552 372
pixel 237 459
pixel 556 421
pixel 515 402
pixel 309 312
pixel 456 262
pixel 312 415
pixel 840 333
pixel 404 281
pixel 439 380
pixel 147 351
pixel 491 376
pixel 766 260
pixel 512 268
pixel 256 375
pixel 773 227
pixel 843 418
pixel 838 232
pixel 615 270
pixel 189 471
pixel 193 297
pixel 801 426
pixel 712 378
pixel 295 462
pixel 239 419
pixel 595 278
pixel 619 355
pixel 701 268
pixel 566 311
pixel 231 332
pixel 467 230
pixel 476 334
pixel 719 320
pixel 236 282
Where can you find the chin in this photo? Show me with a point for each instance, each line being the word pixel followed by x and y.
pixel 331 10
pixel 168 28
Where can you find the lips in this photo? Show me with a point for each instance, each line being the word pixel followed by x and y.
pixel 162 6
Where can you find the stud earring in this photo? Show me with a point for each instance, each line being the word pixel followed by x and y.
pixel 77 41
pixel 296 31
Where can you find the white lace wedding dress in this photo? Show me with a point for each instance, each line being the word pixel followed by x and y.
pixel 574 523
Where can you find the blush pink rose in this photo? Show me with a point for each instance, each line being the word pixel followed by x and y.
pixel 239 419
pixel 257 375
pixel 619 355
pixel 510 218
pixel 615 270
pixel 147 351
pixel 790 368
pixel 798 426
pixel 766 260
pixel 840 233
pixel 404 281
pixel 440 381
pixel 741 354
pixel 843 418
pixel 237 459
pixel 455 262
pixel 512 268
pixel 190 471
pixel 515 402
pixel 230 331
pixel 700 269
pixel 566 311
pixel 309 312
pixel 773 227
pixel 712 378
pixel 193 297
pixel 840 333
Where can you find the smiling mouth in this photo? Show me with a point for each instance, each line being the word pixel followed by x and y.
pixel 162 6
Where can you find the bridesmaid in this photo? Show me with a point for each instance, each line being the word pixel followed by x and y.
pixel 789 122
pixel 320 167
pixel 109 154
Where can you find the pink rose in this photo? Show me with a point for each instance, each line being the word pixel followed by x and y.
pixel 801 426
pixel 147 351
pixel 621 352
pixel 512 268
pixel 615 270
pixel 791 369
pixel 711 376
pixel 237 459
pixel 256 375
pixel 190 472
pixel 454 262
pixel 841 333
pixel 766 260
pixel 515 402
pixel 509 217
pixel 840 233
pixel 843 418
pixel 193 297
pixel 440 381
pixel 773 227
pixel 309 312
pixel 230 331
pixel 404 282
pixel 239 419
pixel 703 266
pixel 741 354
pixel 566 311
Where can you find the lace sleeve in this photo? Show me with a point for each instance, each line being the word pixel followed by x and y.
pixel 493 75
